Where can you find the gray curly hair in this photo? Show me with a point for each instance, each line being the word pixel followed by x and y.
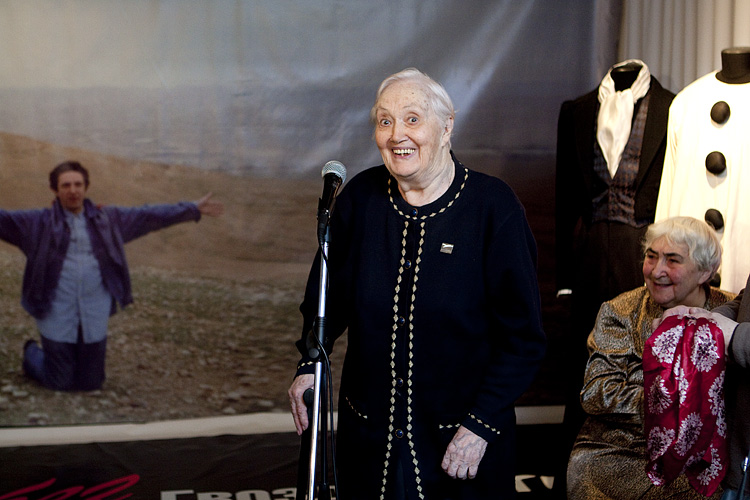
pixel 701 240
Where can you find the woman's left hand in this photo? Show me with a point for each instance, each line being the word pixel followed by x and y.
pixel 463 455
pixel 726 325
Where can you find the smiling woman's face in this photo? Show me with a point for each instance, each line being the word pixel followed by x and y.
pixel 413 142
pixel 671 275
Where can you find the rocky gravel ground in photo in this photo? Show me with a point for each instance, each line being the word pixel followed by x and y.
pixel 189 347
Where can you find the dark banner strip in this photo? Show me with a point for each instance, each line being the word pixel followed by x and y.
pixel 228 467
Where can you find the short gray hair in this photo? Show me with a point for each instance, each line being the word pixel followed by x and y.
pixel 439 100
pixel 701 240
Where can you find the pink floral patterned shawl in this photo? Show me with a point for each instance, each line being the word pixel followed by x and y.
pixel 684 422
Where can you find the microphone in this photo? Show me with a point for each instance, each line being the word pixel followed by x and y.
pixel 334 175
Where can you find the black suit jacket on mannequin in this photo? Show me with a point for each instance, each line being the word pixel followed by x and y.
pixel 577 184
pixel 578 258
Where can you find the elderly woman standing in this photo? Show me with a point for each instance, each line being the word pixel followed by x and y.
pixel 433 271
pixel 609 457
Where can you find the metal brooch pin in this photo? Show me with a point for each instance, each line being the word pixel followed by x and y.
pixel 446 248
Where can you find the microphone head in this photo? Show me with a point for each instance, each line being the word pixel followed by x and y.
pixel 334 167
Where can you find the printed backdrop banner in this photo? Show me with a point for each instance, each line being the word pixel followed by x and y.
pixel 227 467
pixel 279 87
pixel 254 467
pixel 165 100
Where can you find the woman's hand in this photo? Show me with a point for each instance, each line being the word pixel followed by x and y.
pixel 463 455
pixel 678 311
pixel 725 324
pixel 299 408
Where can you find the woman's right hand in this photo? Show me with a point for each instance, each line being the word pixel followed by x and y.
pixel 679 311
pixel 299 408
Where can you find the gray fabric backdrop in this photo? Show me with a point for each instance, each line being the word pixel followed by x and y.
pixel 279 87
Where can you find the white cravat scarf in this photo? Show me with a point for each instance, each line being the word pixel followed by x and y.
pixel 616 113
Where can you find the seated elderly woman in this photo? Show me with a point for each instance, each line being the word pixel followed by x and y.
pixel 608 460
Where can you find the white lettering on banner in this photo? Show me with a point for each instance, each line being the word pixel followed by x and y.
pixel 279 494
pixel 253 495
pixel 109 489
pixel 291 493
pixel 520 485
pixel 172 495
pixel 284 493
pixel 240 495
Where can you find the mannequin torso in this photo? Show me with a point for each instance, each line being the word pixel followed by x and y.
pixel 625 75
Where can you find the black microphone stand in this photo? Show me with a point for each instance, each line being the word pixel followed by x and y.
pixel 319 397
pixel 319 415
